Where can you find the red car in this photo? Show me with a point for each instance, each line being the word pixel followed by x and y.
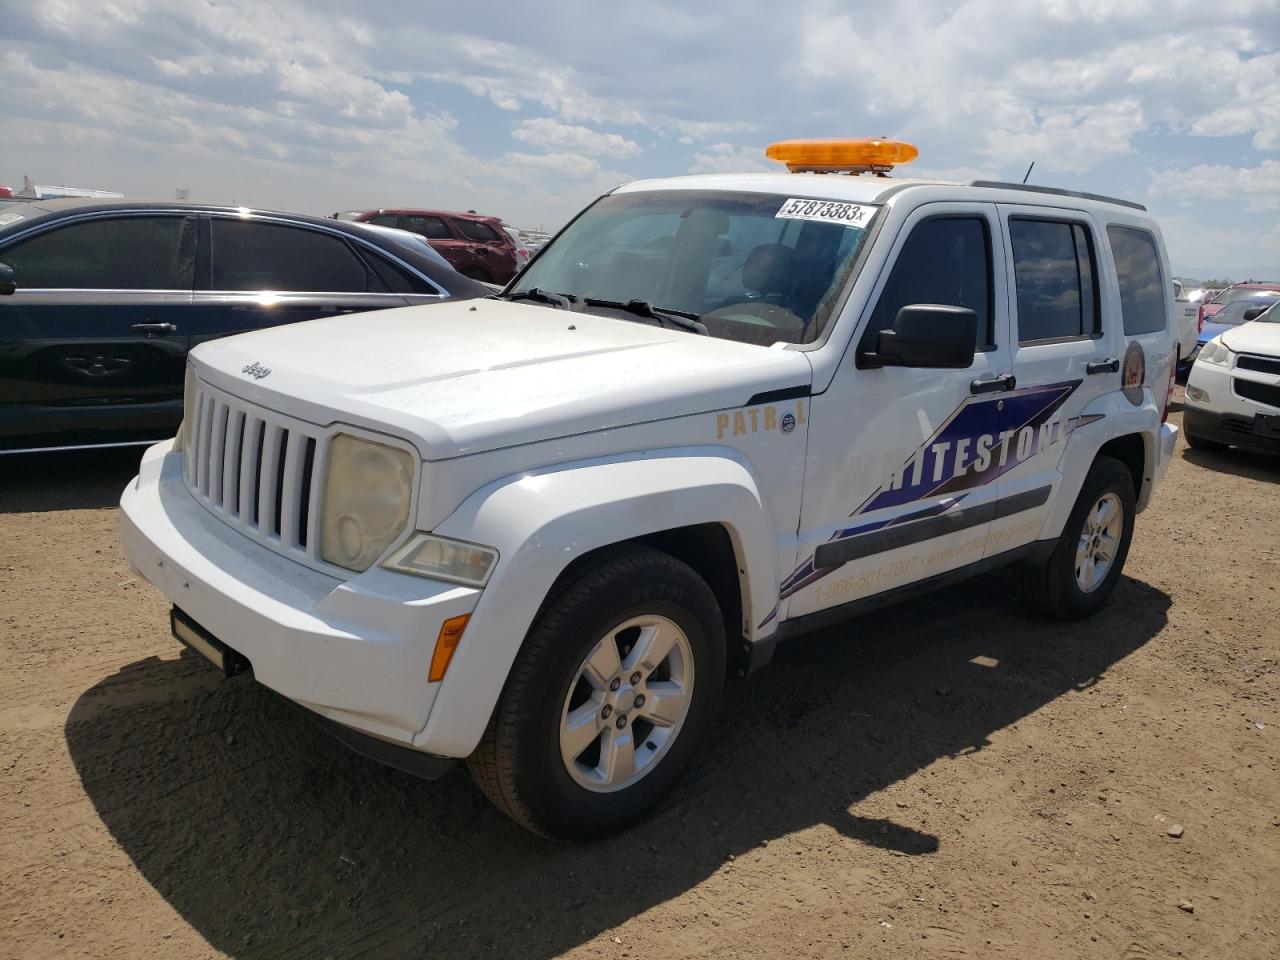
pixel 1237 291
pixel 475 245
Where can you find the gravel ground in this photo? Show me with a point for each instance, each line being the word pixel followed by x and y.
pixel 952 778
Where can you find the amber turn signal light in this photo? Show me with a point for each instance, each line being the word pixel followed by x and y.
pixel 446 644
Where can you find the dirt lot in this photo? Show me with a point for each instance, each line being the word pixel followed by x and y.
pixel 954 778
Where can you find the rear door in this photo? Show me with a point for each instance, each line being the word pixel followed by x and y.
pixel 493 249
pixel 256 273
pixel 1066 354
pixel 453 247
pixel 93 343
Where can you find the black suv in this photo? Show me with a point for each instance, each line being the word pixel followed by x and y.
pixel 102 300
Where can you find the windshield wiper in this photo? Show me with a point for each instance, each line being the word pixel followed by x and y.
pixel 643 308
pixel 561 300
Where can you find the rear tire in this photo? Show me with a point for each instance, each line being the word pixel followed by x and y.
pixel 1196 442
pixel 475 273
pixel 1080 573
pixel 555 757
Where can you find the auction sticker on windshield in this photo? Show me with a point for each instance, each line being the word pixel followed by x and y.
pixel 825 211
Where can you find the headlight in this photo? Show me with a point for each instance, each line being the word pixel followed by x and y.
pixel 442 559
pixel 186 430
pixel 1215 351
pixel 367 487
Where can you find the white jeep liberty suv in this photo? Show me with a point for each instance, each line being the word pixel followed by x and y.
pixel 538 531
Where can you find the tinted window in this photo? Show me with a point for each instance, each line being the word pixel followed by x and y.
pixel 1053 266
pixel 433 228
pixel 384 220
pixel 122 253
pixel 475 230
pixel 1141 287
pixel 394 278
pixel 249 255
pixel 946 261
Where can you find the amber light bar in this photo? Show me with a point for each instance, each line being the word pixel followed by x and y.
pixel 841 156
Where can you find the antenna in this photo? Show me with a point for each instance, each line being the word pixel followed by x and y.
pixel 1028 173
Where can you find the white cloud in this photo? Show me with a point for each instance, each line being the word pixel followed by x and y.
pixel 726 158
pixel 551 134
pixel 1257 187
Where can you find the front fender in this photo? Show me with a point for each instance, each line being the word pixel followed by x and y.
pixel 542 520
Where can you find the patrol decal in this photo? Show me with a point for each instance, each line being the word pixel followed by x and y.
pixel 754 419
pixel 968 450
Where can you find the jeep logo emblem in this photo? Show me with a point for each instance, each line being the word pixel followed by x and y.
pixel 788 423
pixel 255 370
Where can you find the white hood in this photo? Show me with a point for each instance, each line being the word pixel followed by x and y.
pixel 460 378
pixel 1254 337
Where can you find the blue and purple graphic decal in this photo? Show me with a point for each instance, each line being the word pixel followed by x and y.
pixel 983 439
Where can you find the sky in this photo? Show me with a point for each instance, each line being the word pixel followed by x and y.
pixel 529 111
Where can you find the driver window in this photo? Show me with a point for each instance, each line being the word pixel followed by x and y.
pixel 946 260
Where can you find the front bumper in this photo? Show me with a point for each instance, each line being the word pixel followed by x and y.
pixel 1226 416
pixel 355 652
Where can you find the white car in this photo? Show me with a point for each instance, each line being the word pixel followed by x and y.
pixel 539 532
pixel 1233 391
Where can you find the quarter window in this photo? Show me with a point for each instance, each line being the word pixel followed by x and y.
pixel 118 253
pixel 1054 272
pixel 946 260
pixel 251 255
pixel 1142 301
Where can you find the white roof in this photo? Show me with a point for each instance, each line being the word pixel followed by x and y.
pixel 859 189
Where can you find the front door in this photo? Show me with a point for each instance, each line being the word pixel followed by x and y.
pixel 93 343
pixel 897 479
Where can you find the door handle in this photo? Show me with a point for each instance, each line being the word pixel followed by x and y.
pixel 994 385
pixel 153 328
pixel 1102 366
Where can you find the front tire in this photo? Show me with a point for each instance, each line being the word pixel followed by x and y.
pixel 612 693
pixel 1080 573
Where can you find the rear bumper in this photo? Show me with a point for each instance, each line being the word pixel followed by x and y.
pixel 1168 443
pixel 356 652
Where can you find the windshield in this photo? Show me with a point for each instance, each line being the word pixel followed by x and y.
pixel 1232 294
pixel 756 268
pixel 1233 313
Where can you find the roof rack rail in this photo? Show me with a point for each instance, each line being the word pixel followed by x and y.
pixel 1056 191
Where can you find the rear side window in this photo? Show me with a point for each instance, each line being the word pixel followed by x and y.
pixel 251 255
pixel 394 278
pixel 433 228
pixel 946 260
pixel 1055 274
pixel 1141 286
pixel 120 253
pixel 384 220
pixel 475 230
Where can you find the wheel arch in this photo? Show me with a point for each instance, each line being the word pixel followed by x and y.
pixel 701 505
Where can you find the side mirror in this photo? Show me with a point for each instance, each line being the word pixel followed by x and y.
pixel 929 335
pixel 8 280
pixel 1253 313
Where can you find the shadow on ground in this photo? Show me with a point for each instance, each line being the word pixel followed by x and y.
pixel 271 840
pixel 1240 463
pixel 72 480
